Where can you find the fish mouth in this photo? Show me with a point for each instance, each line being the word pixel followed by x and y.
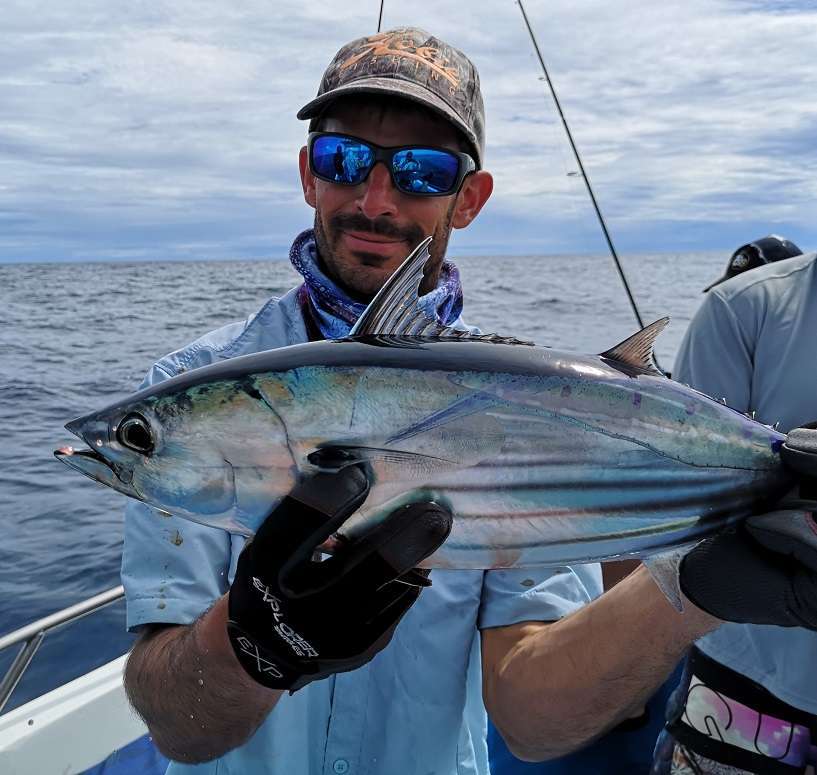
pixel 96 467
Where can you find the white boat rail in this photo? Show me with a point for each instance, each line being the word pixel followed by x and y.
pixel 32 635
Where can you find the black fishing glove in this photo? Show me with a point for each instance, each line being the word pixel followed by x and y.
pixel 293 620
pixel 764 571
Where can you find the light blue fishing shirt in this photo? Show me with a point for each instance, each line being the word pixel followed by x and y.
pixel 754 342
pixel 416 708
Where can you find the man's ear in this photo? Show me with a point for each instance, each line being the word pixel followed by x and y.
pixel 307 178
pixel 475 191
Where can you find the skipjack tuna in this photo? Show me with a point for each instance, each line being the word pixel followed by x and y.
pixel 543 456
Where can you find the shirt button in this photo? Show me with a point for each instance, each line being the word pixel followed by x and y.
pixel 340 766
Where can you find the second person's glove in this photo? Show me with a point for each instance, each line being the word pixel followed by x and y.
pixel 763 571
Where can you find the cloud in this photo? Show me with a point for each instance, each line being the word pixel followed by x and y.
pixel 168 130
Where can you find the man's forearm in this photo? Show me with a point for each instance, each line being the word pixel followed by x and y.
pixel 189 688
pixel 563 684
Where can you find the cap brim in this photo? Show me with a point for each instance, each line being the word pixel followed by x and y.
pixel 395 87
pixel 717 282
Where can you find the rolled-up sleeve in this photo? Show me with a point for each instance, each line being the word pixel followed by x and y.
pixel 172 569
pixel 537 594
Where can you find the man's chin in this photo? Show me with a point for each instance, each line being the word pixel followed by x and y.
pixel 357 267
pixel 363 288
pixel 377 260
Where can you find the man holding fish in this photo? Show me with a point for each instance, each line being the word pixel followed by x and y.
pixel 235 635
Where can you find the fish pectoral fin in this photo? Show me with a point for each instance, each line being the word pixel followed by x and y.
pixel 386 462
pixel 636 352
pixel 396 311
pixel 459 436
pixel 664 571
pixel 473 405
pixel 463 435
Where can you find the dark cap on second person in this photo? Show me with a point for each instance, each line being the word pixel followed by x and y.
pixel 412 64
pixel 757 253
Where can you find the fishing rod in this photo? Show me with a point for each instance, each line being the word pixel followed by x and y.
pixel 578 161
pixel 581 168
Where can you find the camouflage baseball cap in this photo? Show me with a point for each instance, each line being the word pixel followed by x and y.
pixel 408 62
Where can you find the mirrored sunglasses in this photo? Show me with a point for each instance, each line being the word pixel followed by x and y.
pixel 415 169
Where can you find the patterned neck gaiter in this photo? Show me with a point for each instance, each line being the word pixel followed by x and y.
pixel 330 309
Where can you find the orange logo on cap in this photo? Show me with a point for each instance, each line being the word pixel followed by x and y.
pixel 398 47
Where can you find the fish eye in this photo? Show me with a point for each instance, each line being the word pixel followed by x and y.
pixel 134 433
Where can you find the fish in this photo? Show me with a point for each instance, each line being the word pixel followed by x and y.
pixel 543 456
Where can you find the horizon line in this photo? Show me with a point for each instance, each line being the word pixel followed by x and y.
pixel 260 259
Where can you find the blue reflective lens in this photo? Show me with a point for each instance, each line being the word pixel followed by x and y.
pixel 342 159
pixel 415 170
pixel 425 170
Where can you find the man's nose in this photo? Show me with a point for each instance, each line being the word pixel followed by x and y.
pixel 378 196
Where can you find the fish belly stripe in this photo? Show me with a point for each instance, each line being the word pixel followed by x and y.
pixel 658 509
pixel 549 485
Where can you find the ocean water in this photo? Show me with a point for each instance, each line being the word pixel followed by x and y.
pixel 75 337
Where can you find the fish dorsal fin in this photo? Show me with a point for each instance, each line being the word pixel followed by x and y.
pixel 636 352
pixel 394 310
pixel 396 302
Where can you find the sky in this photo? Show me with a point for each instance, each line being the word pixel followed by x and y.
pixel 166 130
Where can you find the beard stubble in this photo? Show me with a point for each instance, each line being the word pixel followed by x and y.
pixel 349 277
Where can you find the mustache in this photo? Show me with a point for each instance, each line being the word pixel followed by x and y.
pixel 383 227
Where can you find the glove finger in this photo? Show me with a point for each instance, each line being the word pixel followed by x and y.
pixel 787 532
pixel 399 543
pixel 393 593
pixel 799 451
pixel 333 492
pixel 313 510
pixel 411 534
pixel 365 623
pixel 367 639
pixel 383 613
pixel 416 577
